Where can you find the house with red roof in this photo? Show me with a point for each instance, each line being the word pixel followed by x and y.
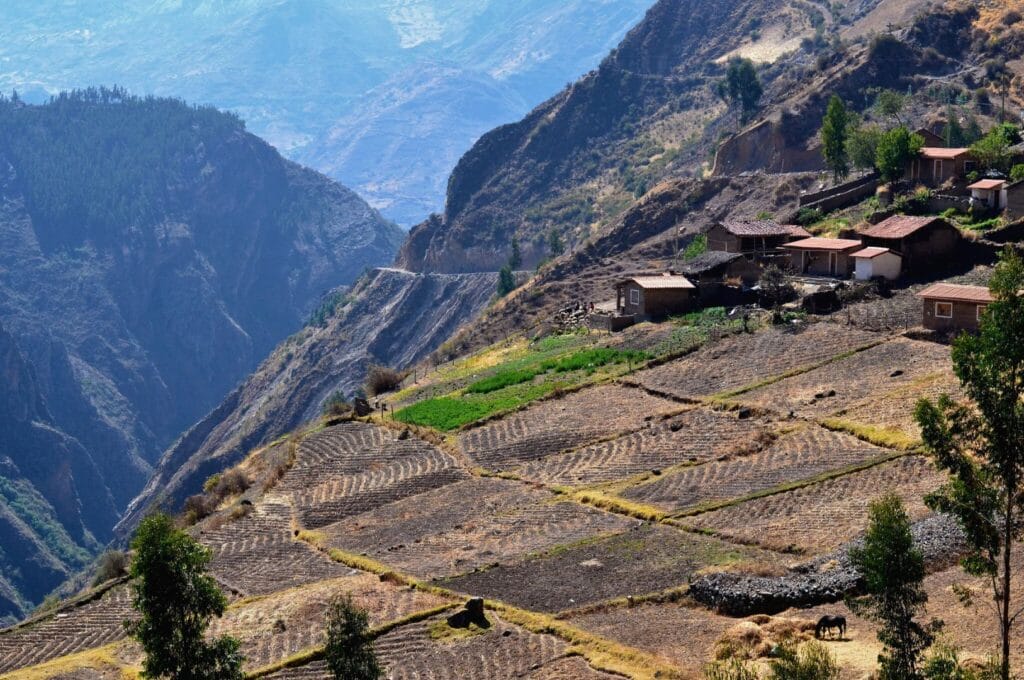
pixel 823 256
pixel 651 296
pixel 877 263
pixel 989 193
pixel 952 307
pixel 936 165
pixel 922 242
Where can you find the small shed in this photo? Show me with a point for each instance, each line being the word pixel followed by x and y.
pixel 753 237
pixel 953 307
pixel 877 263
pixel 823 256
pixel 937 165
pixel 989 192
pixel 655 296
pixel 923 242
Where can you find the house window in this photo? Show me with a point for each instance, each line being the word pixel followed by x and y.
pixel 634 297
pixel 944 310
pixel 981 311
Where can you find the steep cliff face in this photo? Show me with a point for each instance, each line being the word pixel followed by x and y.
pixel 393 317
pixel 150 255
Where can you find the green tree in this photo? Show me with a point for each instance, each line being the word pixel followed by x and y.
pixel 176 599
pixel 835 132
pixel 811 662
pixel 890 104
pixel 556 246
pixel 1017 173
pixel 742 87
pixel 993 150
pixel 893 572
pixel 506 281
pixel 896 148
pixel 862 146
pixel 982 446
pixel 515 260
pixel 349 650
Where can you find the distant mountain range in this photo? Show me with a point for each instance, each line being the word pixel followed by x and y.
pixel 383 95
pixel 151 255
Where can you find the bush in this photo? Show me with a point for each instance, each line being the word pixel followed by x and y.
pixel 111 565
pixel 808 216
pixel 336 405
pixel 698 246
pixel 812 662
pixel 506 281
pixel 198 507
pixel 730 669
pixel 349 649
pixel 381 380
pixel 1017 173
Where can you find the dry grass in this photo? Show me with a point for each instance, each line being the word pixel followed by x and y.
pixel 98 659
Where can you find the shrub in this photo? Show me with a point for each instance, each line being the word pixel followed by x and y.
pixel 1012 17
pixel 698 246
pixel 812 662
pixel 808 216
pixel 110 565
pixel 1017 173
pixel 336 405
pixel 349 649
pixel 506 281
pixel 381 380
pixel 198 507
pixel 730 669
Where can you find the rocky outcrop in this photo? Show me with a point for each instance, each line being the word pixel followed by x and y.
pixel 392 317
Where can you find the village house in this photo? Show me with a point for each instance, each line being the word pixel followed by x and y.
pixel 753 238
pixel 823 256
pixel 989 193
pixel 922 242
pixel 877 263
pixel 935 166
pixel 930 138
pixel 721 277
pixel 951 307
pixel 655 296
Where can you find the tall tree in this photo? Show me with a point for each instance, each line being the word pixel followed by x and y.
pixel 835 133
pixel 556 246
pixel 862 146
pixel 982 446
pixel 515 260
pixel 890 104
pixel 896 148
pixel 349 650
pixel 893 572
pixel 506 281
pixel 742 87
pixel 177 599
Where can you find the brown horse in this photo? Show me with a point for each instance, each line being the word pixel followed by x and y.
pixel 826 624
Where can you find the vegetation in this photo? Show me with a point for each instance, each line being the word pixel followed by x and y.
pixel 500 381
pixel 982 446
pixel 895 149
pixel 381 380
pixel 993 150
pixel 862 146
pixel 890 104
pixel 811 662
pixel 515 259
pixel 176 600
pixel 776 288
pixel 697 247
pixel 556 246
pixel 835 133
pixel 328 307
pixel 1017 173
pixel 742 88
pixel 349 649
pixel 336 405
pixel 111 565
pixel 893 573
pixel 506 281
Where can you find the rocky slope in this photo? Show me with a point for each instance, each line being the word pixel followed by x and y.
pixel 392 317
pixel 335 85
pixel 150 255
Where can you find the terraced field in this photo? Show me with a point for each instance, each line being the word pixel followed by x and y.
pixel 895 410
pixel 694 437
pixel 805 454
pixel 67 632
pixel 468 525
pixel 356 467
pixel 842 384
pixel 278 626
pixel 823 516
pixel 259 554
pixel 745 360
pixel 561 424
pixel 643 560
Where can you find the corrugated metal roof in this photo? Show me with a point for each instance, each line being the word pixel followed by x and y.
pixel 869 253
pixel 818 243
pixel 957 293
pixel 988 184
pixel 899 226
pixel 708 261
pixel 662 282
pixel 941 154
pixel 763 228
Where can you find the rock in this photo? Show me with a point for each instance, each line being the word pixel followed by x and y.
pixel 472 614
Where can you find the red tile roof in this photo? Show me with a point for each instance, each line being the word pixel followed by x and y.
pixel 957 293
pixel 938 153
pixel 873 252
pixel 763 228
pixel 662 282
pixel 988 184
pixel 899 226
pixel 817 243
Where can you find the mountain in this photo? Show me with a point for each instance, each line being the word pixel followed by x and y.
pixel 335 84
pixel 151 254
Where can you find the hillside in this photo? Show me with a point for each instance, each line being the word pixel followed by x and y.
pixel 337 86
pixel 152 254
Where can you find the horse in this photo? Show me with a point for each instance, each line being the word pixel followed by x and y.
pixel 826 624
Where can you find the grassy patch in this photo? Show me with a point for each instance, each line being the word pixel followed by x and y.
pixel 440 631
pixel 99 659
pixel 888 437
pixel 590 360
pixel 500 381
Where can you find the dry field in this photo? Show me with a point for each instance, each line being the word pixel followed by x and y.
pixel 823 516
pixel 561 424
pixel 746 360
pixel 895 410
pixel 860 377
pixel 805 454
pixel 468 525
pixel 644 560
pixel 693 437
